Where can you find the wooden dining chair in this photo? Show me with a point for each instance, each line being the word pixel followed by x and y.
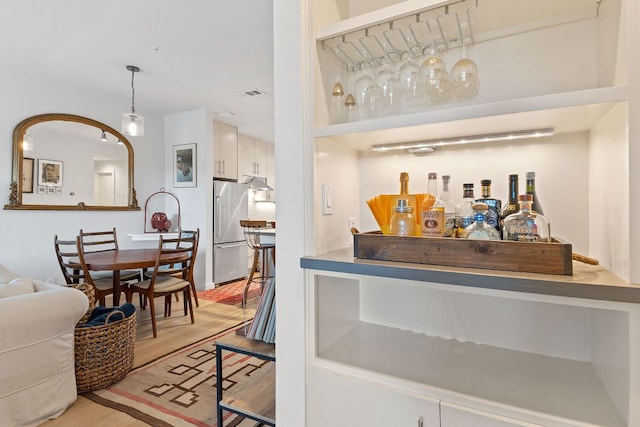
pixel 165 281
pixel 71 260
pixel 102 241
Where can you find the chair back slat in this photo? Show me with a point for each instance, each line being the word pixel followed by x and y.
pixel 68 259
pixel 99 241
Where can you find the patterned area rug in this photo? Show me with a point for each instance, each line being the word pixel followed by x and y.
pixel 179 390
pixel 230 293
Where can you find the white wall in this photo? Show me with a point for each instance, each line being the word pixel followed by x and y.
pixel 26 237
pixel 195 126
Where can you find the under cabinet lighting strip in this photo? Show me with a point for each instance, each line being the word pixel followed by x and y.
pixel 432 144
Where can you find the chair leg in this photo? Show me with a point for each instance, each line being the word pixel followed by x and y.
pixel 254 266
pixel 167 306
pixel 152 309
pixel 187 299
pixel 193 291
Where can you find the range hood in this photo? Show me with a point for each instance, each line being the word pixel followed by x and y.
pixel 256 183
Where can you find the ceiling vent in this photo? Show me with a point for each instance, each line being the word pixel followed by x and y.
pixel 250 93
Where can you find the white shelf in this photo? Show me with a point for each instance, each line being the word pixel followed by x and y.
pixel 549 385
pixel 567 112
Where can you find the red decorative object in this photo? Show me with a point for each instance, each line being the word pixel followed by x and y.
pixel 160 222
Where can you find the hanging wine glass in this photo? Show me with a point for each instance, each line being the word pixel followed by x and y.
pixel 387 81
pixel 464 77
pixel 411 83
pixel 434 72
pixel 363 82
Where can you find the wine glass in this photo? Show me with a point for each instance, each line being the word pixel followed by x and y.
pixel 363 81
pixel 434 71
pixel 411 83
pixel 464 77
pixel 387 81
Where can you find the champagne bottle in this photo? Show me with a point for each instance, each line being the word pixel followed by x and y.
pixel 511 206
pixel 531 189
pixel 411 201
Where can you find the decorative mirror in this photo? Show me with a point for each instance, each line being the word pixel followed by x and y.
pixel 68 162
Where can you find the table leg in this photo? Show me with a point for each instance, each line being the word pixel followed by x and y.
pixel 116 288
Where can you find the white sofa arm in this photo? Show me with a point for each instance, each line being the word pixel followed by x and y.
pixel 50 311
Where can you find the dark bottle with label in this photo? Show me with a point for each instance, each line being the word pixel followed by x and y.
pixel 492 216
pixel 512 205
pixel 536 206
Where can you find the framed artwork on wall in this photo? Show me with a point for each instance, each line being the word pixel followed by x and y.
pixel 184 165
pixel 27 175
pixel 50 173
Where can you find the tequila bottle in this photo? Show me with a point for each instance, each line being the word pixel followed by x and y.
pixel 449 208
pixel 494 205
pixel 465 213
pixel 480 229
pixel 526 225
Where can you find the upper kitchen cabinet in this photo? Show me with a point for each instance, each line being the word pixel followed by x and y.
pixel 252 156
pixel 225 151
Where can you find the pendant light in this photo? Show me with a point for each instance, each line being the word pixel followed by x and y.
pixel 132 123
pixel 103 137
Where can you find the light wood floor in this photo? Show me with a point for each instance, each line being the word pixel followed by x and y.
pixel 173 333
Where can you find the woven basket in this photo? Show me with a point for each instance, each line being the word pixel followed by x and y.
pixel 104 354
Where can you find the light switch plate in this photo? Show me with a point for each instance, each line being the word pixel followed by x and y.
pixel 327 200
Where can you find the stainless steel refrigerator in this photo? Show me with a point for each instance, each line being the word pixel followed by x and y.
pixel 230 254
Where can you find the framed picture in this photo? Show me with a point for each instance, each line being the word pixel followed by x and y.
pixel 41 189
pixel 184 165
pixel 50 173
pixel 51 190
pixel 27 175
pixel 58 191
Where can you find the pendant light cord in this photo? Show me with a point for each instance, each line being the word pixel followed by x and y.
pixel 133 92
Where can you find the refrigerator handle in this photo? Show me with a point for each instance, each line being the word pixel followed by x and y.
pixel 218 214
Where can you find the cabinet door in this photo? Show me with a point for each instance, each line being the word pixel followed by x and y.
pixel 271 163
pixel 246 156
pixel 453 415
pixel 341 401
pixel 261 158
pixel 229 151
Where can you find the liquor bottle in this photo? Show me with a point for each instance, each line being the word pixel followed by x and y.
pixel 511 206
pixel 465 213
pixel 449 208
pixel 432 213
pixel 494 205
pixel 526 225
pixel 411 200
pixel 480 229
pixel 531 189
pixel 402 221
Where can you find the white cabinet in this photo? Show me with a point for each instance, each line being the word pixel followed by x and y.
pixel 343 401
pixel 252 156
pixel 459 416
pixel 225 151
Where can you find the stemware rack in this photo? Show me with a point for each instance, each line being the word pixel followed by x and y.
pixel 433 30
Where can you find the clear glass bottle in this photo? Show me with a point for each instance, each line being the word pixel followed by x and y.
pixel 402 221
pixel 511 206
pixel 494 205
pixel 531 189
pixel 449 208
pixel 526 225
pixel 432 217
pixel 465 213
pixel 480 229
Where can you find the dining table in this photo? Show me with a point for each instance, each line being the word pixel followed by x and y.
pixel 127 259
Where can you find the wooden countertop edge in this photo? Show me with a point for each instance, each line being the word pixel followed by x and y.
pixel 588 281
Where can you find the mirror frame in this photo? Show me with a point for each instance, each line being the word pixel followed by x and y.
pixel 15 196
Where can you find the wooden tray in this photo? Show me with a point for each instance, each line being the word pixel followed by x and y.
pixel 545 258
